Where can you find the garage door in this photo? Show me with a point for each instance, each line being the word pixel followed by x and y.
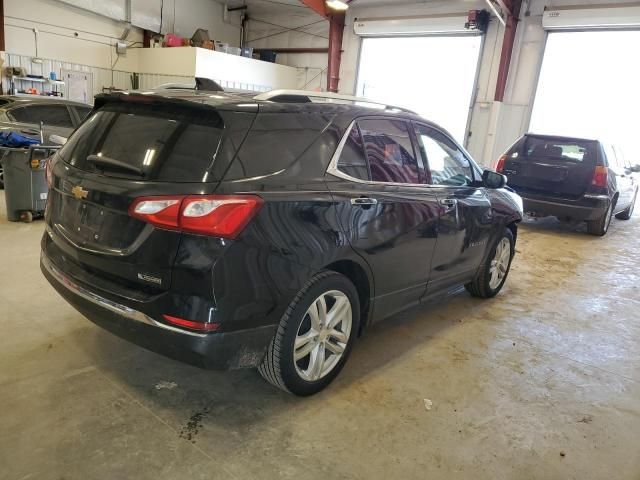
pixel 589 87
pixel 589 80
pixel 432 75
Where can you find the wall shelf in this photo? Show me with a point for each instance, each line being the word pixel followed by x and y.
pixel 38 80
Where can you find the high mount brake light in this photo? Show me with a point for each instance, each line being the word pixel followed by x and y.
pixel 214 215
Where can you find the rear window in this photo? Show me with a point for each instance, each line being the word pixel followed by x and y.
pixel 164 142
pixel 572 151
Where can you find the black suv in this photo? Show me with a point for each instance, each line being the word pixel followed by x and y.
pixel 231 231
pixel 573 179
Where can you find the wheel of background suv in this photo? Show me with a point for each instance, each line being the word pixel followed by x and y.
pixel 493 273
pixel 600 227
pixel 626 214
pixel 315 336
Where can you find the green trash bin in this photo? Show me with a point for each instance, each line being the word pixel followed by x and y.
pixel 25 182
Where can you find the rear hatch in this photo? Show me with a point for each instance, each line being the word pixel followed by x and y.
pixel 138 147
pixel 551 166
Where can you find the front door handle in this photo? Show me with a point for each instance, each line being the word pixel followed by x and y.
pixel 30 132
pixel 364 201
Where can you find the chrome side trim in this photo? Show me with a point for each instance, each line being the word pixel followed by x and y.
pixel 107 304
pixel 593 196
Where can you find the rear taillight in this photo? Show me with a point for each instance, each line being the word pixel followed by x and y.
pixel 48 171
pixel 215 215
pixel 160 211
pixel 500 163
pixel 600 176
pixel 199 326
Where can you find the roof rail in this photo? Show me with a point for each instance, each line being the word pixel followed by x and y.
pixel 305 96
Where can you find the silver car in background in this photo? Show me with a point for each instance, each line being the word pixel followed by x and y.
pixel 23 114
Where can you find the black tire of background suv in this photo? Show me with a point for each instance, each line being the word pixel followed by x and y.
pixel 479 287
pixel 600 227
pixel 277 366
pixel 628 212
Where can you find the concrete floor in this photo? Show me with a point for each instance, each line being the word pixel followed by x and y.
pixel 542 382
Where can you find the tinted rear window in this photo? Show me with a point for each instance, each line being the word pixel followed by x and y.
pixel 572 150
pixel 167 143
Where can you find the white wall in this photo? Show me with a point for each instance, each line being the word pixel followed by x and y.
pixel 312 67
pixel 64 33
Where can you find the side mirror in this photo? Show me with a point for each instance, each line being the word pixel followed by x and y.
pixel 491 179
pixel 635 168
pixel 58 139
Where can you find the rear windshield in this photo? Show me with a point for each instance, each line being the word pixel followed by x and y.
pixel 572 150
pixel 160 142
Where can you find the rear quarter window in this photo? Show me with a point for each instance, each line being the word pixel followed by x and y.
pixel 167 143
pixel 277 141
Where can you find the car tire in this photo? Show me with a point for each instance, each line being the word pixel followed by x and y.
pixel 493 273
pixel 304 329
pixel 600 227
pixel 628 212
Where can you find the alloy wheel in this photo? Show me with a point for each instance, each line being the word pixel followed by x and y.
pixel 500 263
pixel 323 336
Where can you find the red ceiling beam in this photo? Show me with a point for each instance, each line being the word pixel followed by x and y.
pixel 317 6
pixel 513 15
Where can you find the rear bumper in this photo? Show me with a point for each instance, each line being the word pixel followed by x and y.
pixel 587 208
pixel 240 349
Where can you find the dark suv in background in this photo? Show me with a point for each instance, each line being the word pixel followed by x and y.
pixel 23 115
pixel 573 179
pixel 231 231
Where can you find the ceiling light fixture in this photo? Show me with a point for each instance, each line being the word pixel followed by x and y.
pixel 337 5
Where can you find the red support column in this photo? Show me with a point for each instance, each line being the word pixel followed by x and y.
pixel 507 48
pixel 336 31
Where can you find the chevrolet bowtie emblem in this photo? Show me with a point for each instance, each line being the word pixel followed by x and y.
pixel 79 192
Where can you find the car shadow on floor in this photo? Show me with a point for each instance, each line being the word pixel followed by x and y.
pixel 240 399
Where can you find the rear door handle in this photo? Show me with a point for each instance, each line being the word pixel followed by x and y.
pixel 364 201
pixel 449 202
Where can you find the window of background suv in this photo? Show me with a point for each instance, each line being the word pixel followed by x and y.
pixel 447 165
pixel 55 115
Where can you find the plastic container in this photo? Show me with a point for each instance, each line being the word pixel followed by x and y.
pixel 25 182
pixel 247 52
pixel 172 40
pixel 234 50
pixel 268 56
